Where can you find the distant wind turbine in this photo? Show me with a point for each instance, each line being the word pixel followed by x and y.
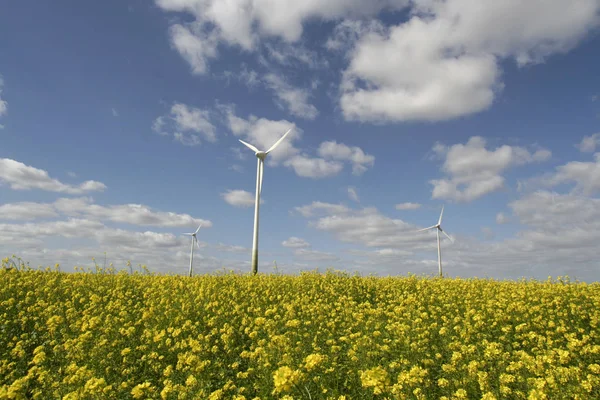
pixel 438 228
pixel 194 239
pixel 260 155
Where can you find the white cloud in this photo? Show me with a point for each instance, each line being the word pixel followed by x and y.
pixel 585 175
pixel 295 243
pixel 239 154
pixel 187 125
pixel 263 133
pixel 84 209
pixel 349 31
pixel 135 214
pixel 3 103
pixel 339 151
pixel 560 238
pixel 24 177
pixel 114 111
pixel 369 228
pixel 194 45
pixel 248 77
pixel 408 206
pixel 295 100
pixel 475 171
pixel 237 168
pixel 315 255
pixel 26 211
pixel 242 23
pixel 229 248
pixel 319 207
pixel 287 54
pixel 444 62
pixel 501 218
pixel 187 139
pixel 353 194
pixel 315 168
pixel 441 63
pixel 240 198
pixel 589 143
pixel 554 212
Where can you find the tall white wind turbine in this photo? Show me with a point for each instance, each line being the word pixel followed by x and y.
pixel 194 239
pixel 260 155
pixel 438 228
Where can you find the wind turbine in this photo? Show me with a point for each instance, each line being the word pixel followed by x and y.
pixel 194 238
pixel 260 155
pixel 439 229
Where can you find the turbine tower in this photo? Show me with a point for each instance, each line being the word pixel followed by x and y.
pixel 260 155
pixel 194 239
pixel 438 228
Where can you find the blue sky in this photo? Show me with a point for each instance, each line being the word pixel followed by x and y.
pixel 115 114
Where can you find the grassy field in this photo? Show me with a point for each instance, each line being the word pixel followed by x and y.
pixel 313 336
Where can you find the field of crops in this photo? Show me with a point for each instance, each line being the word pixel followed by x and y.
pixel 314 336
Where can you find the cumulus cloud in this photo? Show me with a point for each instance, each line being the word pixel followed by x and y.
pixel 294 100
pixel 195 45
pixel 295 243
pixel 26 211
pixel 262 133
pixel 559 237
pixel 501 218
pixel 444 61
pixel 589 143
pixel 289 55
pixel 135 214
pixel 315 168
pixel 83 209
pixel 319 207
pixel 186 124
pixel 315 255
pixel 353 194
pixel 408 206
pixel 355 155
pixel 242 24
pixel 20 176
pixel 475 171
pixel 585 175
pixel 239 198
pixel 302 250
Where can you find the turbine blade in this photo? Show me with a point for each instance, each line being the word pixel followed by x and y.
pixel 442 213
pixel 426 229
pixel 262 165
pixel 198 244
pixel 279 141
pixel 448 236
pixel 199 226
pixel 249 146
pixel 187 234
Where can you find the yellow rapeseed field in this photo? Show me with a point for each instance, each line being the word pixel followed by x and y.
pixel 314 336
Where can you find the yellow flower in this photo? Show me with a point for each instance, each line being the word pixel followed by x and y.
pixel 139 390
pixel 285 378
pixel 313 360
pixel 376 378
